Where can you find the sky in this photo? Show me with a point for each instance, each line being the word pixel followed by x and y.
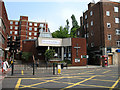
pixel 54 12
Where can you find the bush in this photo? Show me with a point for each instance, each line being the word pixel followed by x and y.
pixel 49 54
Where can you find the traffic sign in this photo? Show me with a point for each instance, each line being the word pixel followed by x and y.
pixel 84 56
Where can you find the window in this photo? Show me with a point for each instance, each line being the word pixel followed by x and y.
pixel 78 33
pixel 87 25
pixel 35 29
pixel 116 9
pixel 118 43
pixel 10 32
pixel 14 37
pixel 30 28
pixel 109 37
pixel 30 37
pixel 117 32
pixel 16 23
pixel 35 34
pixel 116 20
pixel 11 27
pixel 35 24
pixel 92 44
pixel 92 33
pixel 85 16
pixel 35 37
pixel 30 33
pixel 91 23
pixel 91 13
pixel 41 25
pixel 16 28
pixel 30 24
pixel 108 25
pixel 11 22
pixel 108 13
pixel 16 32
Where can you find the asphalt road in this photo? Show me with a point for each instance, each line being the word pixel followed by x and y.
pixel 94 78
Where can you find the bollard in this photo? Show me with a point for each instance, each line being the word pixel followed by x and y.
pixel 53 68
pixel 12 69
pixel 33 69
pixel 59 68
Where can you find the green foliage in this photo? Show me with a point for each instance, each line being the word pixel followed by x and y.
pixel 26 55
pixel 61 33
pixel 49 54
pixel 74 28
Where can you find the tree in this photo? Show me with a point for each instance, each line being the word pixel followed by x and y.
pixel 26 55
pixel 49 54
pixel 74 28
pixel 61 33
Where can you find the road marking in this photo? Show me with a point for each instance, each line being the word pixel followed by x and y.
pixel 94 86
pixel 22 72
pixel 40 83
pixel 18 84
pixel 115 84
pixel 106 71
pixel 78 83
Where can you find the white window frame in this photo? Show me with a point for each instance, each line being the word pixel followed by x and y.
pixel 14 37
pixel 10 32
pixel 109 37
pixel 16 32
pixel 116 20
pixel 11 22
pixel 16 23
pixel 87 25
pixel 30 28
pixel 118 43
pixel 11 27
pixel 91 13
pixel 35 29
pixel 35 33
pixel 30 33
pixel 109 24
pixel 42 25
pixel 16 27
pixel 30 24
pixel 116 9
pixel 92 44
pixel 117 31
pixel 107 13
pixel 30 37
pixel 35 24
pixel 35 37
pixel 85 16
pixel 78 32
pixel 91 23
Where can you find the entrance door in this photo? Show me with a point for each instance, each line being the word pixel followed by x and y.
pixel 110 60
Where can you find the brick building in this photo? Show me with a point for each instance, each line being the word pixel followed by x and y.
pixel 26 29
pixel 4 31
pixel 101 24
pixel 66 49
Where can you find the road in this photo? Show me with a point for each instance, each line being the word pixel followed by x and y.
pixel 89 78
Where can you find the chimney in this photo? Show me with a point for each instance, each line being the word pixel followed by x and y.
pixel 90 5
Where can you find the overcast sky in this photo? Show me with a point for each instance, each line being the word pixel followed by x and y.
pixel 55 12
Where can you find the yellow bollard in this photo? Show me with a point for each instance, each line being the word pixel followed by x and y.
pixel 59 69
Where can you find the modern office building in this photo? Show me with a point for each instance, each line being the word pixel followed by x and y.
pixel 101 27
pixel 27 29
pixel 4 31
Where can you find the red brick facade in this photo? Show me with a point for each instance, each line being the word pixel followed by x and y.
pixel 4 31
pixel 26 29
pixel 81 51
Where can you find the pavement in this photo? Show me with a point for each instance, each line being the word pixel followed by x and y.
pixel 81 78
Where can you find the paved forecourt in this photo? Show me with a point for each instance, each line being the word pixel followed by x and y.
pixel 77 78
